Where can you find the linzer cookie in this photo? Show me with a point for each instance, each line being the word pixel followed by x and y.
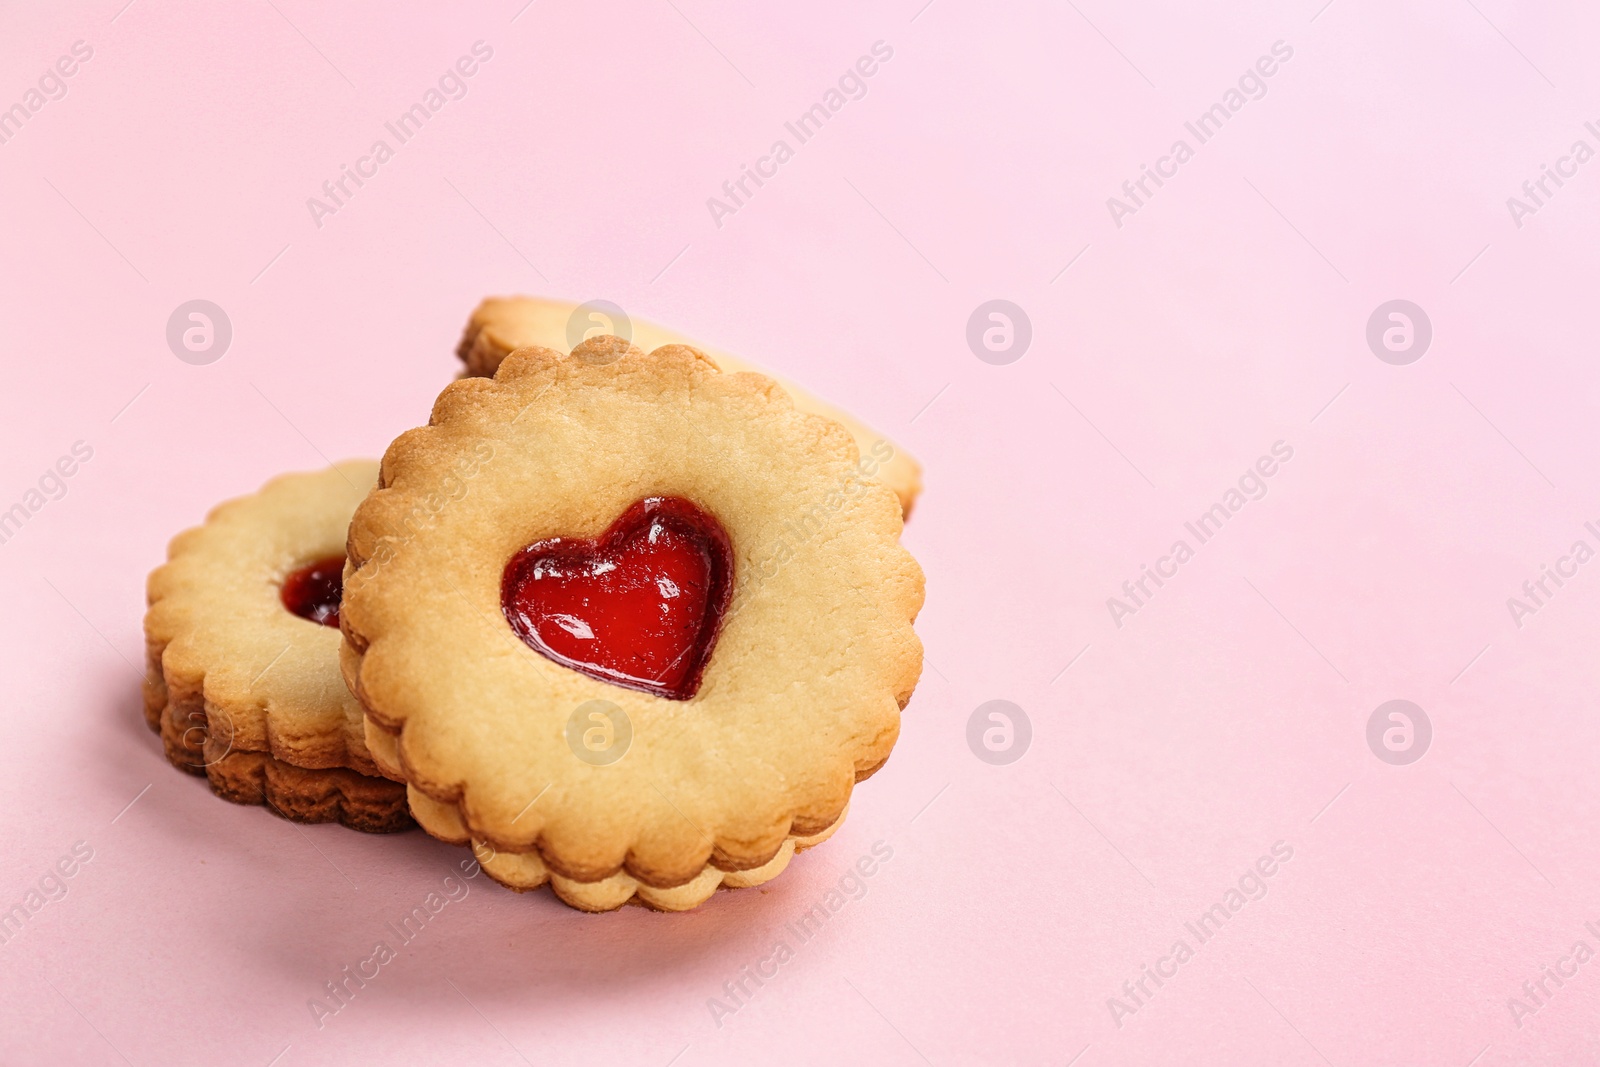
pixel 653 646
pixel 243 676
pixel 500 325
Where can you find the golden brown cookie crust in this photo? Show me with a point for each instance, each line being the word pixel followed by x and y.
pixel 502 324
pixel 330 794
pixel 226 661
pixel 800 699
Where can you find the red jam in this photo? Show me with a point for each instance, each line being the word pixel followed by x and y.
pixel 313 592
pixel 640 606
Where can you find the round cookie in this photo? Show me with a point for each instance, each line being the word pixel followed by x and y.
pixel 502 324
pixel 240 687
pixel 714 781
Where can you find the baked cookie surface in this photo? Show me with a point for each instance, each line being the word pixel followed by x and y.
pixel 243 689
pixel 501 325
pixel 610 791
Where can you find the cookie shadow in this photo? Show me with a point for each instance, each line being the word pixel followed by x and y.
pixel 322 898
pixel 509 954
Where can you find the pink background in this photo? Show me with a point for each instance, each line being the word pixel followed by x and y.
pixel 1227 314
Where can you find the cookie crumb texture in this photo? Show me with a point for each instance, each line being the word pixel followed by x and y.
pixel 800 700
pixel 243 691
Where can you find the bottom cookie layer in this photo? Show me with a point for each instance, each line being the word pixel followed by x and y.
pixel 523 871
pixel 329 794
pixel 300 794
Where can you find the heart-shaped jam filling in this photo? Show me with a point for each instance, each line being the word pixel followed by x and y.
pixel 640 606
pixel 313 591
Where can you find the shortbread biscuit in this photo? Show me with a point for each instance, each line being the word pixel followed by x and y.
pixel 720 774
pixel 500 325
pixel 243 690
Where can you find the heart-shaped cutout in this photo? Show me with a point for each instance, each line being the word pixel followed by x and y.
pixel 640 606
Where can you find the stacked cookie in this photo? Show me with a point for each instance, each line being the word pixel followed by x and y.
pixel 630 623
pixel 243 648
